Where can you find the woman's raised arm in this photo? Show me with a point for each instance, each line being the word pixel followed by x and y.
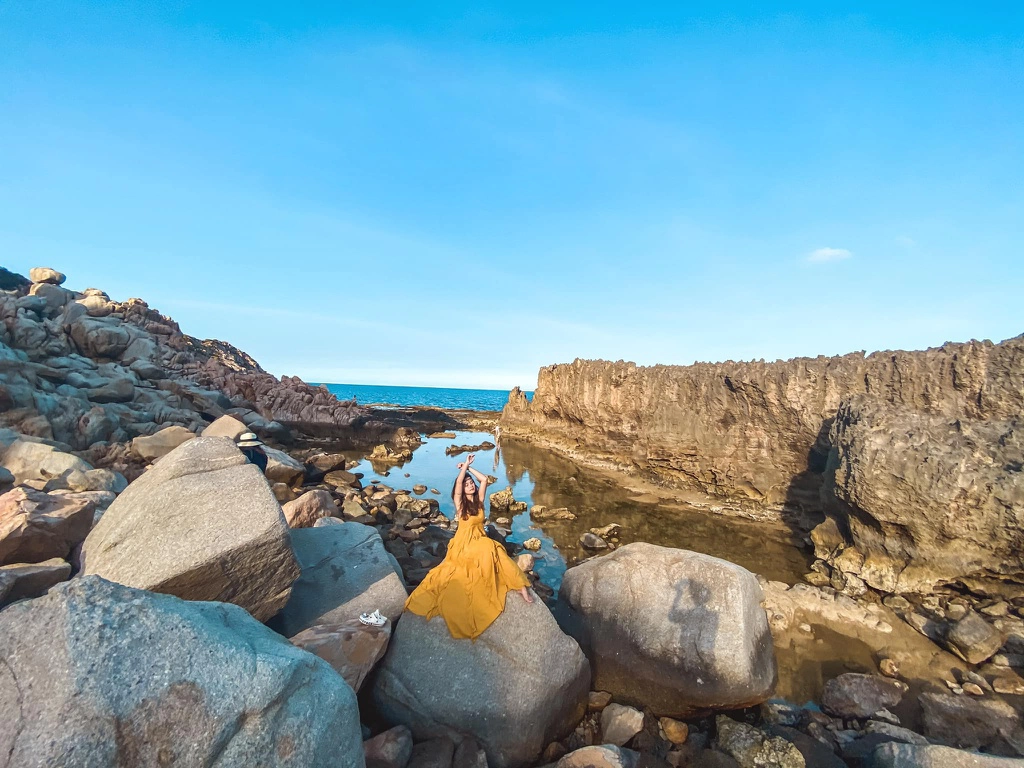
pixel 481 478
pixel 457 495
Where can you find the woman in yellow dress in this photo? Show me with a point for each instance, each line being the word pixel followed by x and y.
pixel 469 586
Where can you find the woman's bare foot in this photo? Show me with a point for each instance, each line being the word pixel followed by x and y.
pixel 526 595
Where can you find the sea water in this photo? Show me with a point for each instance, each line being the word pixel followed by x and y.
pixel 435 397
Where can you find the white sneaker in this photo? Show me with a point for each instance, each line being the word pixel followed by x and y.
pixel 373 619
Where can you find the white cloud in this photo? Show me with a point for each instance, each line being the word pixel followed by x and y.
pixel 906 242
pixel 828 254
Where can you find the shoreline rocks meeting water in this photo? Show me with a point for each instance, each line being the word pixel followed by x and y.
pixel 163 602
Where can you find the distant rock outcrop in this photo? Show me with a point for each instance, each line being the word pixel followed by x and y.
pixel 81 369
pixel 756 433
pixel 925 499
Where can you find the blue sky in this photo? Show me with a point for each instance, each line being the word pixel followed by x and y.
pixel 458 195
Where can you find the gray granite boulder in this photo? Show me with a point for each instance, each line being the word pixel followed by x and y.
pixel 345 571
pixel 202 524
pixel 675 631
pixel 519 686
pixel 96 674
pixel 893 755
pixel 857 695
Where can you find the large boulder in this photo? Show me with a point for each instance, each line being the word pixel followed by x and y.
pixel 202 524
pixel 46 275
pixel 345 571
pixel 964 721
pixel 97 338
pixel 38 461
pixel 36 526
pixel 927 500
pixel 96 674
pixel 159 444
pixel 519 686
pixel 675 631
pixel 857 695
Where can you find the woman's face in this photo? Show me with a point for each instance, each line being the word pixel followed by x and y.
pixel 469 488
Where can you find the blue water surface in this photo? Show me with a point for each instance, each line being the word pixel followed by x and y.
pixel 437 397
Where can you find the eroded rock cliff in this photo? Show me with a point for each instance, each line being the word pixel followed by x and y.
pixel 759 436
pixel 752 432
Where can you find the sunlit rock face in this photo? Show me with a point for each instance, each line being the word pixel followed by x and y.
pixel 789 438
pixel 757 433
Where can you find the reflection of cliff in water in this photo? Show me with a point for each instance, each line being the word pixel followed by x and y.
pixel 761 547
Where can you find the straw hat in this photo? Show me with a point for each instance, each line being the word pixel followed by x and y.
pixel 248 439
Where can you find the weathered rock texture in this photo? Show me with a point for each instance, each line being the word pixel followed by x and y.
pixel 83 369
pixel 759 436
pixel 36 526
pixel 202 524
pixel 679 632
pixel 345 571
pixel 927 499
pixel 519 686
pixel 96 674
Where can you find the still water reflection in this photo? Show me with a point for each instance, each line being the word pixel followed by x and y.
pixel 538 476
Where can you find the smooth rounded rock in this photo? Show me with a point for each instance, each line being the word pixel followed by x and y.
pixel 311 506
pixel 159 444
pixel 46 275
pixel 345 571
pixel 519 686
pixel 201 524
pixel 859 695
pixel 676 631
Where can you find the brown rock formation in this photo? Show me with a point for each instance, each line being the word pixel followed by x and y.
pixel 754 433
pixel 915 455
pixel 925 499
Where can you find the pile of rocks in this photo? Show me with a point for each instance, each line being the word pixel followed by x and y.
pixel 87 372
pixel 657 642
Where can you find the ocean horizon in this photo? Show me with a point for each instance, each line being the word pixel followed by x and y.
pixel 432 397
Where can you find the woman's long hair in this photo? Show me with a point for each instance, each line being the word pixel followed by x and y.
pixel 464 511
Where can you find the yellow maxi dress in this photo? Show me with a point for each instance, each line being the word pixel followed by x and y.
pixel 468 587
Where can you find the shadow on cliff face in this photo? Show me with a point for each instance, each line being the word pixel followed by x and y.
pixel 802 507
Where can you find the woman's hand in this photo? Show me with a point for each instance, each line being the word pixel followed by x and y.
pixel 469 459
pixel 461 465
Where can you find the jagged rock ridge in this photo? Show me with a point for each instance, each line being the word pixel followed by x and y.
pixel 81 369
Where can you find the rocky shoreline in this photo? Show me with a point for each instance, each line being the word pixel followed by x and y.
pixel 165 603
